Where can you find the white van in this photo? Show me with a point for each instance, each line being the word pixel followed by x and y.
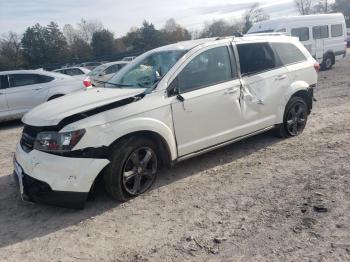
pixel 323 35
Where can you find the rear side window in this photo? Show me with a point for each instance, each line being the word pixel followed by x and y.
pixel 301 32
pixel 208 68
pixel 336 30
pixel 112 69
pixel 320 32
pixel 74 72
pixel 17 80
pixel 288 53
pixel 256 57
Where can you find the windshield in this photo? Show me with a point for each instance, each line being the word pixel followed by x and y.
pixel 146 72
pixel 97 70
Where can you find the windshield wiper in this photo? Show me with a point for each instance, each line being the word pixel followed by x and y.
pixel 113 84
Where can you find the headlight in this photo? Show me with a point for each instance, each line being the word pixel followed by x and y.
pixel 58 142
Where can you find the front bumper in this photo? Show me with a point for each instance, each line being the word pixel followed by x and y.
pixel 56 180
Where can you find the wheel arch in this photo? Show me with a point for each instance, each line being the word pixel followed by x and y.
pixel 297 89
pixel 159 140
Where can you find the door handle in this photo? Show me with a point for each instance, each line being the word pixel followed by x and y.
pixel 231 91
pixel 38 88
pixel 281 77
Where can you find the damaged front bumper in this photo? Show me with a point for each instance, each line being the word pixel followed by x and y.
pixel 56 180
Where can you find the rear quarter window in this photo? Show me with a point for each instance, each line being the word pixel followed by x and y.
pixel 288 53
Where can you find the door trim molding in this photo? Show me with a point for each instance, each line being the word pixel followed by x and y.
pixel 205 150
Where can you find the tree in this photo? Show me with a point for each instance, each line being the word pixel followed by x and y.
pixel 86 29
pixel 220 28
pixel 70 33
pixel 304 6
pixel 144 38
pixel 102 43
pixel 173 32
pixel 10 51
pixel 322 7
pixel 42 45
pixel 253 15
pixel 56 43
pixel 343 6
pixel 80 50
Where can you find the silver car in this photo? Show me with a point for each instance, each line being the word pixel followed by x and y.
pixel 21 90
pixel 103 73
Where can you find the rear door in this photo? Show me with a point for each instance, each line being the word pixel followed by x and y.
pixel 320 34
pixel 3 86
pixel 264 83
pixel 27 91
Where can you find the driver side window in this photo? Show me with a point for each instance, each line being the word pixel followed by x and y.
pixel 208 68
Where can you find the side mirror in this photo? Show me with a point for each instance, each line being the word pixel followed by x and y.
pixel 102 73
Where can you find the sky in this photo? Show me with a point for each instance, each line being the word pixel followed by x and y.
pixel 120 15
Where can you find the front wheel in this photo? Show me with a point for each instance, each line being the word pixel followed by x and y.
pixel 133 168
pixel 295 118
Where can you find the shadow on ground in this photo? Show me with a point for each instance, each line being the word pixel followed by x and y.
pixel 38 220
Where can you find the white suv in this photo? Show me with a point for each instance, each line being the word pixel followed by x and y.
pixel 169 104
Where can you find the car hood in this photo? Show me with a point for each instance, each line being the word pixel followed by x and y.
pixel 53 112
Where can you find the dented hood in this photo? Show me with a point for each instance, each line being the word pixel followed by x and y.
pixel 53 112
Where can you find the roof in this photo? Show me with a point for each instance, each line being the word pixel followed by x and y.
pixel 37 71
pixel 115 63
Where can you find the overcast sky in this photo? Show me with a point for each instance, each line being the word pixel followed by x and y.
pixel 119 15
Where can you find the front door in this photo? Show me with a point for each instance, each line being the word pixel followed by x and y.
pixel 210 111
pixel 26 91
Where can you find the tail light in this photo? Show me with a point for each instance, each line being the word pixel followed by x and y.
pixel 317 67
pixel 87 83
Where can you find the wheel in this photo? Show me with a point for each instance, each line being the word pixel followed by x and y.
pixel 295 118
pixel 327 62
pixel 133 168
pixel 54 97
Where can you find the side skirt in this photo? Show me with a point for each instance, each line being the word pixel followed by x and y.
pixel 205 150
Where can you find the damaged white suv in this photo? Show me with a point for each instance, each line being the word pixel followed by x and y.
pixel 169 104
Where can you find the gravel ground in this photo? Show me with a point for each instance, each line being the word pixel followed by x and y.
pixel 260 199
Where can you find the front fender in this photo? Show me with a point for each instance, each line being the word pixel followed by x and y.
pixel 105 135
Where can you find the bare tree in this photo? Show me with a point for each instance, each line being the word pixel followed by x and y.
pixel 10 49
pixel 304 6
pixel 86 29
pixel 322 7
pixel 70 33
pixel 253 15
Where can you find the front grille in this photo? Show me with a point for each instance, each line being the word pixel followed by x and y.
pixel 28 137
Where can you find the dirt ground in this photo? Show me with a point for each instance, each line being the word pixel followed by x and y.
pixel 260 199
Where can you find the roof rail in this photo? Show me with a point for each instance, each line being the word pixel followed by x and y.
pixel 268 34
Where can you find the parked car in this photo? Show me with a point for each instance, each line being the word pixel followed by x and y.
pixel 90 65
pixel 104 72
pixel 79 73
pixel 170 104
pixel 129 58
pixel 21 90
pixel 323 34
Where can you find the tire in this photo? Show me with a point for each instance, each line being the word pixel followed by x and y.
pixel 133 168
pixel 327 62
pixel 295 118
pixel 54 97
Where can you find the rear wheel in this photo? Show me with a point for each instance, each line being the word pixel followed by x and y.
pixel 133 168
pixel 327 62
pixel 295 118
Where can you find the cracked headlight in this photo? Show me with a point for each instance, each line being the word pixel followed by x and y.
pixel 58 142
